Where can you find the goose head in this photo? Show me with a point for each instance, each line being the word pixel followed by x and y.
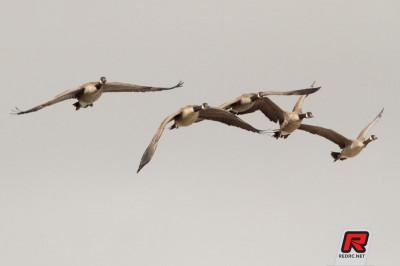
pixel 306 115
pixel 371 138
pixel 197 108
pixel 255 96
pixel 204 106
pixel 102 81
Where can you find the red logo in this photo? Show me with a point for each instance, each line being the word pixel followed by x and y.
pixel 356 240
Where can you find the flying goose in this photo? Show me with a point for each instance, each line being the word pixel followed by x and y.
pixel 90 92
pixel 186 116
pixel 251 102
pixel 350 148
pixel 288 121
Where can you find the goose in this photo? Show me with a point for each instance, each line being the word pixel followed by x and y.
pixel 251 102
pixel 90 92
pixel 350 147
pixel 186 116
pixel 288 121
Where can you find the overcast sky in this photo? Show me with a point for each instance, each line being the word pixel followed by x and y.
pixel 213 194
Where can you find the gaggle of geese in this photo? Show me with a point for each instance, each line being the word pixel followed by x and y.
pixel 226 113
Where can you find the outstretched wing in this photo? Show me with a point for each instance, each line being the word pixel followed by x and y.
pixel 299 104
pixel 295 92
pixel 227 118
pixel 327 133
pixel 69 94
pixel 150 150
pixel 364 132
pixel 229 104
pixel 268 108
pixel 126 87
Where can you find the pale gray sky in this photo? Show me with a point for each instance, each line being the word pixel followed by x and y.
pixel 212 195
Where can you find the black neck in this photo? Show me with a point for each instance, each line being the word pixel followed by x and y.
pixel 367 141
pixel 254 97
pixel 196 108
pixel 302 116
pixel 98 85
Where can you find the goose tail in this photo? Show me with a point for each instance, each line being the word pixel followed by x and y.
pixel 335 156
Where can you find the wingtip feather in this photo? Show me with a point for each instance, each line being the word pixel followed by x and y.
pixel 139 168
pixel 16 111
pixel 180 84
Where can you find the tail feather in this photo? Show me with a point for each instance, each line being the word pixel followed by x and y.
pixel 277 134
pixel 335 156
pixel 77 106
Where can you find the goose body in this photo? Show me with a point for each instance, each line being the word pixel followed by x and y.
pixel 88 93
pixel 291 122
pixel 188 115
pixel 353 149
pixel 245 103
pixel 350 147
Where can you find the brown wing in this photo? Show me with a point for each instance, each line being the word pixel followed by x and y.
pixel 69 94
pixel 225 106
pixel 328 134
pixel 364 132
pixel 125 87
pixel 227 118
pixel 150 150
pixel 268 108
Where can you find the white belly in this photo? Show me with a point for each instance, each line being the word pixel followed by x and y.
pixel 89 96
pixel 354 149
pixel 291 123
